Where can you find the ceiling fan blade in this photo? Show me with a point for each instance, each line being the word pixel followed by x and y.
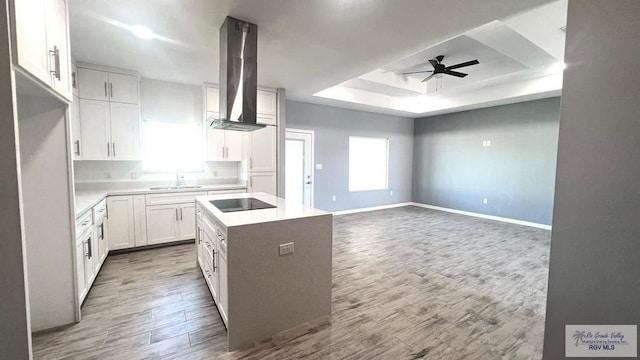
pixel 433 62
pixel 417 72
pixel 457 66
pixel 455 73
pixel 429 77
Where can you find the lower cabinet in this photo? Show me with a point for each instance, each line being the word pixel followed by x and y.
pixel 212 249
pixel 171 222
pixel 121 222
pixel 80 276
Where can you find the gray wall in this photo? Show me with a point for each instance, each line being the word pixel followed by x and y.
pixel 332 127
pixel 516 174
pixel 594 275
pixel 15 334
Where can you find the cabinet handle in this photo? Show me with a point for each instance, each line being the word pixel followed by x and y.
pixel 56 62
pixel 176 214
pixel 111 88
pixel 250 163
pixel 90 255
pixel 108 150
pixel 77 143
pixel 180 214
pixel 199 237
pixel 227 152
pixel 113 145
pixel 101 232
pixel 214 261
pixel 105 89
pixel 223 152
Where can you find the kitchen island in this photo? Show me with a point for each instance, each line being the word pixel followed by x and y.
pixel 268 269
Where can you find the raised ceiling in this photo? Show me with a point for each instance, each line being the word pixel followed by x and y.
pixel 310 46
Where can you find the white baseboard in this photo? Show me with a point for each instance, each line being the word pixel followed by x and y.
pixel 353 211
pixel 490 217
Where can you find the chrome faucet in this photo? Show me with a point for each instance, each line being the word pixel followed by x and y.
pixel 179 178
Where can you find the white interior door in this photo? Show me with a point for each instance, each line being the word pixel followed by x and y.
pixel 299 166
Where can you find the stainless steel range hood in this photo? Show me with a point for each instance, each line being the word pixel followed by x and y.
pixel 238 76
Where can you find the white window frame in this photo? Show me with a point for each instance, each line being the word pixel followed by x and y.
pixel 353 187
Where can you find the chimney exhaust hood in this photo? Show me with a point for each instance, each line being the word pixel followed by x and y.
pixel 238 76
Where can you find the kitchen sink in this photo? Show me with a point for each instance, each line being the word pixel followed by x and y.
pixel 175 187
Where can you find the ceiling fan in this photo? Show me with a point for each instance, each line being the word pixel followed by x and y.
pixel 440 68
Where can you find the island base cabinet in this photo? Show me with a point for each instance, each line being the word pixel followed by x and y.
pixel 223 276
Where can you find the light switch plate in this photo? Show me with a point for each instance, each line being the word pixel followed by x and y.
pixel 286 248
pixel 318 166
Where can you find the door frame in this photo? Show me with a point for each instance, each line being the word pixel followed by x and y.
pixel 312 157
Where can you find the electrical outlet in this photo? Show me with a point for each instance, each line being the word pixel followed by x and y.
pixel 485 201
pixel 318 166
pixel 286 248
pixel 333 198
pixel 391 192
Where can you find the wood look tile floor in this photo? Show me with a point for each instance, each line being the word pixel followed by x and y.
pixel 408 283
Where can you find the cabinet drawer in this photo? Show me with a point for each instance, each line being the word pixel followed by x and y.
pixel 83 224
pixel 99 210
pixel 172 198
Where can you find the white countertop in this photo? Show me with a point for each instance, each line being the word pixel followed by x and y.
pixel 86 199
pixel 284 210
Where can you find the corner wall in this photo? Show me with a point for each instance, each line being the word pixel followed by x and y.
pixel 452 168
pixel 332 127
pixel 594 274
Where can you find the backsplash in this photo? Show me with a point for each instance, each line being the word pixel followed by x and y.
pixel 131 171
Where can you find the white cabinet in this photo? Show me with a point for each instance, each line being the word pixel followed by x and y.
pixel 95 127
pixel 101 85
pixel 121 226
pixel 263 182
pixel 223 145
pixel 212 99
pixel 109 131
pixel 42 42
pixel 109 115
pixel 125 131
pixel 163 224
pixel 214 264
pixel 140 220
pixel 81 281
pixel 266 103
pixel 223 291
pixel 171 217
pixel 262 149
pixel 76 129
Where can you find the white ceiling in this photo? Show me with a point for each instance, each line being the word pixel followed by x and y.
pixel 310 46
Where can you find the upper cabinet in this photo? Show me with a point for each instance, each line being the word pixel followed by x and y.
pixel 266 103
pixel 109 114
pixel 107 86
pixel 41 42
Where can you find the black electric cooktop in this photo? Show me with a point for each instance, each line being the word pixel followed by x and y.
pixel 240 204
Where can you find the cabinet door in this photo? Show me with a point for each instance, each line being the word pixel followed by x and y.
pixel 223 303
pixel 140 219
pixel 121 222
pixel 95 256
pixel 80 279
pixel 95 130
pixel 263 182
pixel 57 41
pixel 76 129
pixel 162 224
pixel 123 88
pixel 215 144
pixel 187 221
pixel 93 84
pixel 125 131
pixel 266 102
pixel 263 149
pixel 89 270
pixel 104 245
pixel 233 142
pixel 212 97
pixel 31 38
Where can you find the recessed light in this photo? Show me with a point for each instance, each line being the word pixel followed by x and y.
pixel 142 32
